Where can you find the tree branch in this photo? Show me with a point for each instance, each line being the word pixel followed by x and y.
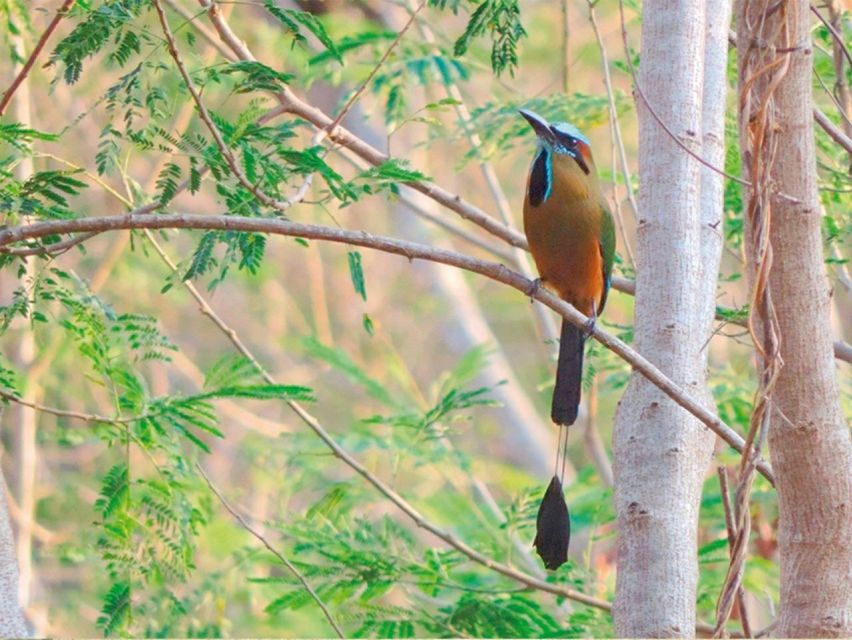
pixel 412 251
pixel 342 136
pixel 831 129
pixel 290 103
pixel 42 41
pixel 230 160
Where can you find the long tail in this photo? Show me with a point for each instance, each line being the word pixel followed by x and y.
pixel 569 375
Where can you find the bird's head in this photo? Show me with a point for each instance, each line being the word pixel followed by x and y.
pixel 561 138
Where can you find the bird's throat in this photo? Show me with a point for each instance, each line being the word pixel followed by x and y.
pixel 541 178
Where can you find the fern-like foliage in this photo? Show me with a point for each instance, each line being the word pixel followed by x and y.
pixel 116 608
pixel 101 26
pixel 501 20
pixel 20 136
pixel 294 21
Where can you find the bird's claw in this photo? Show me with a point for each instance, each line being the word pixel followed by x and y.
pixel 534 287
pixel 589 326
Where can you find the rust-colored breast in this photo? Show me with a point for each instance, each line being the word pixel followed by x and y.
pixel 564 236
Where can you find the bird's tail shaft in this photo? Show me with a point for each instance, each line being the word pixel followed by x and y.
pixel 569 375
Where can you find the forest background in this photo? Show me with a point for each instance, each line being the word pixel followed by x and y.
pixel 217 432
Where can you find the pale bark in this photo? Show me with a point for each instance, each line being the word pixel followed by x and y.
pixel 11 618
pixel 26 427
pixel 661 453
pixel 808 438
pixel 15 584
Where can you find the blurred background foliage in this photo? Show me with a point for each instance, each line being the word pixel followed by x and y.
pixel 438 382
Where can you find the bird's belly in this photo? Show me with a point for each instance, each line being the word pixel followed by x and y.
pixel 568 258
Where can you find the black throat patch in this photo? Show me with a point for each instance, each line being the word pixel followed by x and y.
pixel 540 179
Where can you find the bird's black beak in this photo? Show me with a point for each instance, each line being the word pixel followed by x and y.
pixel 539 124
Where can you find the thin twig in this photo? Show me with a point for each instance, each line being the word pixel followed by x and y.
pixel 298 574
pixel 204 114
pixel 498 194
pixel 42 41
pixel 831 129
pixel 732 534
pixel 63 413
pixel 617 139
pixel 838 39
pixel 450 539
pixel 330 129
pixel 410 250
pixel 192 18
pixel 674 137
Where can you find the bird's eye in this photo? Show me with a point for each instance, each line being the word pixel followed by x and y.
pixel 566 140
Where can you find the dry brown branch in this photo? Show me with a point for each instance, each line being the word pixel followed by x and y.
pixel 63 413
pixel 298 574
pixel 760 76
pixel 732 535
pixel 832 130
pixel 42 41
pixel 410 250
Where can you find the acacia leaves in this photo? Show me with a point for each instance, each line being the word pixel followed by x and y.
pixel 501 20
pixel 294 21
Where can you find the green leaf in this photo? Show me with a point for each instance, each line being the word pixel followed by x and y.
pixel 712 546
pixel 231 370
pixel 502 19
pixel 116 610
pixel 19 136
pixel 262 392
pixel 292 19
pixel 343 363
pixel 367 323
pixel 115 489
pixel 257 76
pixel 357 273
pixel 394 170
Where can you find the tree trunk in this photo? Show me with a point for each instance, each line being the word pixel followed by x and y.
pixel 660 452
pixel 11 618
pixel 808 439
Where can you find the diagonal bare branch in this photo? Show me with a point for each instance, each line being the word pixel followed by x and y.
pixel 411 250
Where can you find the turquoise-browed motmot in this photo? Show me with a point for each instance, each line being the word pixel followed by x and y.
pixel 572 240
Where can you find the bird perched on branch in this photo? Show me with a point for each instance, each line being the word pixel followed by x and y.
pixel 572 240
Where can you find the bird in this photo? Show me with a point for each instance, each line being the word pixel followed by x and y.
pixel 571 237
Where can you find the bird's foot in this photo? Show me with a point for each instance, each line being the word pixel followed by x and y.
pixel 534 287
pixel 589 326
